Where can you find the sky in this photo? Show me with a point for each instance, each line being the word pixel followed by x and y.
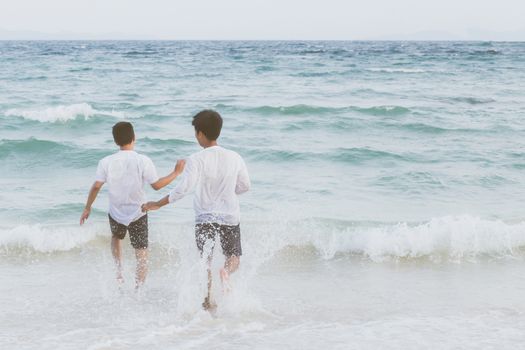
pixel 263 19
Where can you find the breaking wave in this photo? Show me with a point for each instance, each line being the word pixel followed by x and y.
pixel 62 113
pixel 444 239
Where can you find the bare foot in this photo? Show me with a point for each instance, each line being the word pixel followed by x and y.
pixel 225 279
pixel 120 278
pixel 209 305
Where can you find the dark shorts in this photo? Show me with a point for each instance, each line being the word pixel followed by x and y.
pixel 230 237
pixel 138 231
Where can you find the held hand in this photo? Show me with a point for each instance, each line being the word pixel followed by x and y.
pixel 179 167
pixel 84 216
pixel 149 206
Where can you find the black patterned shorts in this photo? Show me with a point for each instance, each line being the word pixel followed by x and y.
pixel 138 231
pixel 230 237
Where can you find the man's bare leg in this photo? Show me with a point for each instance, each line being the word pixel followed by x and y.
pixel 142 266
pixel 208 303
pixel 230 266
pixel 116 250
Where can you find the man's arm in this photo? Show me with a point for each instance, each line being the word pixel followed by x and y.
pixel 155 205
pixel 243 180
pixel 93 192
pixel 186 185
pixel 166 180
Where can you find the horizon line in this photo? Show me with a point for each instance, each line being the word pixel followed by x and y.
pixel 270 40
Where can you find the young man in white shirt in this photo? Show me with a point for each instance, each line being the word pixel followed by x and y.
pixel 218 176
pixel 126 172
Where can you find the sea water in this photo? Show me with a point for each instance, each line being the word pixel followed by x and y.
pixel 386 209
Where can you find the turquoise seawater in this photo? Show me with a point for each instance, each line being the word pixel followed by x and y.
pixel 386 205
pixel 347 130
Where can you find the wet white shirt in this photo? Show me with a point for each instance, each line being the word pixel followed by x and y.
pixel 217 175
pixel 126 173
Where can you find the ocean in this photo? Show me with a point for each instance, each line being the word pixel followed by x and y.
pixel 386 208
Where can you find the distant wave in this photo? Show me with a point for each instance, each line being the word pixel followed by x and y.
pixel 334 52
pixel 427 128
pixel 266 68
pixel 32 78
pixel 293 110
pixel 165 142
pixel 314 74
pixel 396 70
pixel 80 69
pixel 472 100
pixel 140 53
pixel 486 52
pixel 383 110
pixel 62 113
pixel 440 240
pixel 341 155
pixel 301 109
pixel 34 152
pixel 49 52
pixel 422 127
pixel 153 146
pixel 279 155
pixel 31 145
pixel 356 155
pixel 406 181
pixel 311 51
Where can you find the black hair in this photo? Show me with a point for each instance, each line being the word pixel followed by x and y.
pixel 123 133
pixel 209 123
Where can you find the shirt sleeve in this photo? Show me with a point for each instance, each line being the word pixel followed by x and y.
pixel 243 179
pixel 150 172
pixel 101 174
pixel 189 179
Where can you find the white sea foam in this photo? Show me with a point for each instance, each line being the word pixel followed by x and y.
pixel 454 238
pixel 441 239
pixel 47 239
pixel 446 238
pixel 61 113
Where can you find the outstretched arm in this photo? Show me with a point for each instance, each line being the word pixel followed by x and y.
pixel 185 186
pixel 166 180
pixel 93 192
pixel 155 205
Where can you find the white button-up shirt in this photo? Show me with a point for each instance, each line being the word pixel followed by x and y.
pixel 126 173
pixel 217 175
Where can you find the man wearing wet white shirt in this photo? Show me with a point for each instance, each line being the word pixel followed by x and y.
pixel 218 176
pixel 126 172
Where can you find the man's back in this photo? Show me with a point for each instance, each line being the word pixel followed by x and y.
pixel 217 175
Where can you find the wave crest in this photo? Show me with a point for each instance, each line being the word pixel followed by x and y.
pixel 35 152
pixel 60 113
pixel 445 239
pixel 440 240
pixel 303 109
pixel 47 239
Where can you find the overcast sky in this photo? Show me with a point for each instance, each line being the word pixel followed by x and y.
pixel 263 19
